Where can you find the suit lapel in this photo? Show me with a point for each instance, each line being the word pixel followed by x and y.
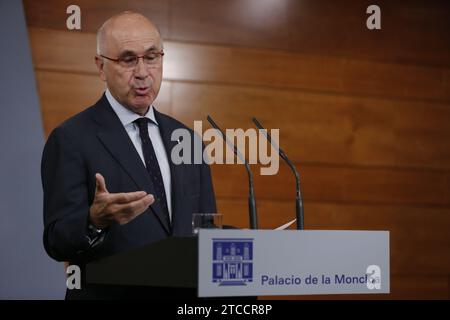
pixel 114 137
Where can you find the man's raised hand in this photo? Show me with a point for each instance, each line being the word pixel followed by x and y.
pixel 108 208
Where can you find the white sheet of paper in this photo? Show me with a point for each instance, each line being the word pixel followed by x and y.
pixel 285 226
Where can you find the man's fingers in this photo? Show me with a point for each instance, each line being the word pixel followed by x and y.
pixel 100 184
pixel 126 197
pixel 135 208
pixel 123 213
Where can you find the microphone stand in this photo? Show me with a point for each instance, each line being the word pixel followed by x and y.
pixel 298 196
pixel 251 193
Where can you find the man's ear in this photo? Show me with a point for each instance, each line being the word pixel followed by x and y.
pixel 100 65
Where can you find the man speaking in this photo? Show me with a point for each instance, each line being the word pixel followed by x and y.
pixel 109 183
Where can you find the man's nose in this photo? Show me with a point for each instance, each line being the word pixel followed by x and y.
pixel 141 69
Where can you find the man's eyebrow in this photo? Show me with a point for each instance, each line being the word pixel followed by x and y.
pixel 152 48
pixel 132 53
pixel 127 53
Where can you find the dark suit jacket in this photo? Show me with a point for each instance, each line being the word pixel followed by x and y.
pixel 96 141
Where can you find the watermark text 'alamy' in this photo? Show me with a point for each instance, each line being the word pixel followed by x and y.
pixel 258 147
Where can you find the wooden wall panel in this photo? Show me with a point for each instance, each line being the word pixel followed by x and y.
pixel 412 31
pixel 255 67
pixel 72 52
pixel 62 95
pixel 300 71
pixel 255 23
pixel 52 14
pixel 351 129
pixel 309 26
pixel 338 184
pixel 328 128
pixel 419 287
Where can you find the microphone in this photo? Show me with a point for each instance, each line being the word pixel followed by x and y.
pixel 251 193
pixel 298 196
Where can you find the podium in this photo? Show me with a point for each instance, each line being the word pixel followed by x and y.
pixel 172 262
pixel 222 263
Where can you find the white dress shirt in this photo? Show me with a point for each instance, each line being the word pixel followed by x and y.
pixel 127 117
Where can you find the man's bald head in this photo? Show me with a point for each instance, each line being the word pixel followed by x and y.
pixel 129 36
pixel 124 21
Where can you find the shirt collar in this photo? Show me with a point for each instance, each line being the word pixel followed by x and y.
pixel 125 115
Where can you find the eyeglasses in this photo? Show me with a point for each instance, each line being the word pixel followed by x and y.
pixel 151 60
